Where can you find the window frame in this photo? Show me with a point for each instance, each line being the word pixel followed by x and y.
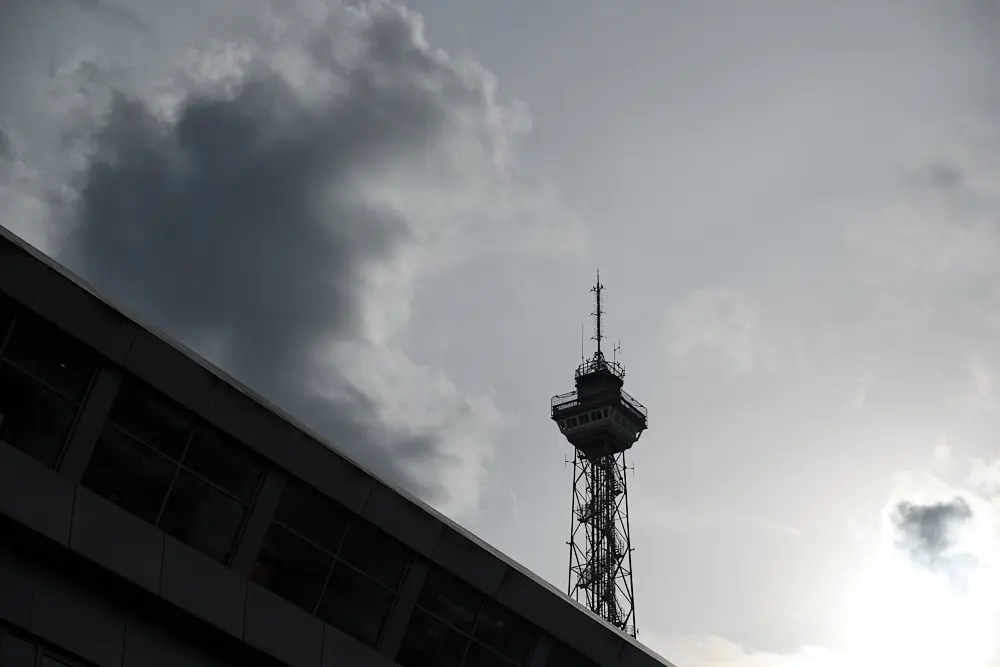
pixel 471 639
pixel 178 464
pixel 336 560
pixel 22 315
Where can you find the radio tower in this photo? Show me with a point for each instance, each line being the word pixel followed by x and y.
pixel 602 422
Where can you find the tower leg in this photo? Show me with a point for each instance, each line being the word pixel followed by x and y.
pixel 600 545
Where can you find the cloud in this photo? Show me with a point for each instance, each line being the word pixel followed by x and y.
pixel 942 451
pixel 985 476
pixel 714 651
pixel 982 396
pixel 719 320
pixel 275 203
pixel 113 13
pixel 940 218
pixel 26 198
pixel 6 149
pixel 861 393
pixel 930 534
pixel 929 599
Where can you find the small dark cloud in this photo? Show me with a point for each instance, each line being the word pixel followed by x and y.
pixel 930 535
pixel 112 12
pixel 238 222
pixel 944 176
pixel 6 149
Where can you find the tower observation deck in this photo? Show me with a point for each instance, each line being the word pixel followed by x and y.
pixel 602 422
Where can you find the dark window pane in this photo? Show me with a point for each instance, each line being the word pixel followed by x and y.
pixel 49 661
pixel 203 517
pixel 225 461
pixel 450 599
pixel 32 418
pixel 430 643
pixel 7 310
pixel 355 604
pixel 312 515
pixel 505 632
pixel 15 652
pixel 375 553
pixel 561 655
pixel 129 474
pixel 479 656
pixel 54 357
pixel 153 418
pixel 292 568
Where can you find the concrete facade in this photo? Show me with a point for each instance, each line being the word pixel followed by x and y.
pixel 155 512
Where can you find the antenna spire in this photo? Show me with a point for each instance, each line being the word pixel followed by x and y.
pixel 598 313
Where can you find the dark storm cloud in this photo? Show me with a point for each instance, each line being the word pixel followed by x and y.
pixel 930 536
pixel 112 12
pixel 6 150
pixel 239 221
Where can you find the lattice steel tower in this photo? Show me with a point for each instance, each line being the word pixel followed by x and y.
pixel 602 422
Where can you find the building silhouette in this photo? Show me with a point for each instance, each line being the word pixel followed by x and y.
pixel 153 512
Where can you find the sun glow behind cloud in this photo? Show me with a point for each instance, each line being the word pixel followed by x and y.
pixel 932 602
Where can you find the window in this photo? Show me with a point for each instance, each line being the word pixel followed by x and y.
pixel 203 516
pixel 130 475
pixel 163 464
pixel 563 656
pixel 430 643
pixel 49 661
pixel 449 609
pixel 36 420
pixel 376 554
pixel 505 632
pixel 51 356
pixel 223 461
pixel 326 560
pixel 152 418
pixel 15 652
pixel 479 656
pixel 291 567
pixel 18 651
pixel 312 515
pixel 451 600
pixel 44 376
pixel 355 604
pixel 7 310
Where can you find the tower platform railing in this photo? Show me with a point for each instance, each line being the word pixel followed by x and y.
pixel 634 404
pixel 571 399
pixel 563 401
pixel 599 363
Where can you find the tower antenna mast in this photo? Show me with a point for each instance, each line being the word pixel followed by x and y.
pixel 602 422
pixel 598 314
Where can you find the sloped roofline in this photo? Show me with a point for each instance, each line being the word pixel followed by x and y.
pixel 53 265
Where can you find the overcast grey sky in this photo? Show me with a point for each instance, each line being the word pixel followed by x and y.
pixel 387 220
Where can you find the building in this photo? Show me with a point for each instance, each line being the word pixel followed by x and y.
pixel 155 513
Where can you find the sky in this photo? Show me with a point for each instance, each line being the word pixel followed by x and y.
pixel 386 218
